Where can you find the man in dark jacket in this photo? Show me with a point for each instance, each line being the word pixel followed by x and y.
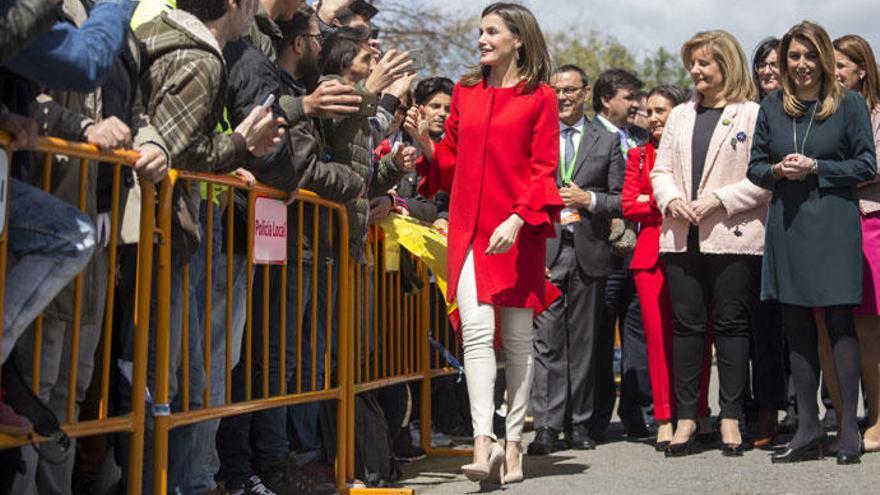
pixel 182 89
pixel 257 442
pixel 590 180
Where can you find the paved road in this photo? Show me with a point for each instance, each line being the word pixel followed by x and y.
pixel 619 467
pixel 625 468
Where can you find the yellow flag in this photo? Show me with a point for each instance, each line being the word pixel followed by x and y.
pixel 423 241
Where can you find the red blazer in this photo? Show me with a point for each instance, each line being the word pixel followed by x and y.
pixel 637 181
pixel 499 156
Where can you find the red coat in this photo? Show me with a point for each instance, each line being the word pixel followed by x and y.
pixel 638 181
pixel 499 156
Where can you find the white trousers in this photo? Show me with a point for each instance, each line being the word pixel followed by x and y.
pixel 478 336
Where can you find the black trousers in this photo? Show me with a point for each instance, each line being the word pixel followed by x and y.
pixel 768 353
pixel 565 338
pixel 716 290
pixel 621 307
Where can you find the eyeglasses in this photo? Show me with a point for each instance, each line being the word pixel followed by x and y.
pixel 765 65
pixel 569 91
pixel 318 37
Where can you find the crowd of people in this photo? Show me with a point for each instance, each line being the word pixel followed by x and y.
pixel 733 222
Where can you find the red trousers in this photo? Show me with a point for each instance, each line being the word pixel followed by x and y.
pixel 657 322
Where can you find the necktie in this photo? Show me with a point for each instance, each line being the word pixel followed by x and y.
pixel 568 136
pixel 624 141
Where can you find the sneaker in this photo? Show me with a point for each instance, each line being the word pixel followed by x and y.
pixel 409 453
pixel 11 422
pixel 253 486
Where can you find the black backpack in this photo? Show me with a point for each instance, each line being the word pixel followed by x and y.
pixel 374 459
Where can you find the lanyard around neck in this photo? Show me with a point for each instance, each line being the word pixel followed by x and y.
pixel 566 171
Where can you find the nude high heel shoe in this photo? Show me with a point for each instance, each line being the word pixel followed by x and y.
pixel 514 476
pixel 479 471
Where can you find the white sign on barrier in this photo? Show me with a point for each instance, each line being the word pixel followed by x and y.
pixel 270 232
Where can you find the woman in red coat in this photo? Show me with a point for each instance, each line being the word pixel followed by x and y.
pixel 648 270
pixel 498 159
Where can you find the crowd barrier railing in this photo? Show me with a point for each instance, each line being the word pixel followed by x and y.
pixel 375 327
pixel 52 153
pixel 266 386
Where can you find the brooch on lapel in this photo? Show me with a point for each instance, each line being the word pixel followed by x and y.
pixel 740 138
pixel 725 122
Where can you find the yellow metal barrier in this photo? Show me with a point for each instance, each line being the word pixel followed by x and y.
pixel 382 326
pixel 330 388
pixel 133 422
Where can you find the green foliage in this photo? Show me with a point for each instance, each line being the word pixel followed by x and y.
pixel 450 43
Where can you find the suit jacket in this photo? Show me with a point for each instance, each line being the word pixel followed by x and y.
pixel 639 163
pixel 738 226
pixel 599 168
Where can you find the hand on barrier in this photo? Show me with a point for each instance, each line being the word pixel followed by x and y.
pixel 23 130
pixel 246 176
pixel 108 134
pixel 505 235
pixel 152 166
pixel 441 224
pixel 331 99
pixel 262 132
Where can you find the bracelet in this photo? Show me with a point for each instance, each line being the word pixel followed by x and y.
pixel 815 168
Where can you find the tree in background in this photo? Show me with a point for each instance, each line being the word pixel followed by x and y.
pixel 449 40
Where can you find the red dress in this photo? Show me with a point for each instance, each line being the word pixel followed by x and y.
pixel 499 156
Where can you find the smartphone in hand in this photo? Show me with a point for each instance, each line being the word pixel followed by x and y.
pixel 267 105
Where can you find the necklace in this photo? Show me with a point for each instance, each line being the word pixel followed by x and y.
pixel 806 134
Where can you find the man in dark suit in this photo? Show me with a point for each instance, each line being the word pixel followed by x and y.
pixel 616 103
pixel 590 180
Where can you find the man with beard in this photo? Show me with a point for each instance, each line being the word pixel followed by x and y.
pixel 254 449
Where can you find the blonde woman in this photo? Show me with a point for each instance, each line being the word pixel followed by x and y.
pixel 713 231
pixel 813 147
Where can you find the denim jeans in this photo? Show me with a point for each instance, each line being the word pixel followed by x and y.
pixel 261 438
pixel 207 461
pixel 303 418
pixel 182 441
pixel 52 242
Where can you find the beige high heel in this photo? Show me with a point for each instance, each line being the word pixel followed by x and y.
pixel 479 471
pixel 514 476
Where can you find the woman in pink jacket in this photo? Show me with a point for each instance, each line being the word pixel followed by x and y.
pixel 713 230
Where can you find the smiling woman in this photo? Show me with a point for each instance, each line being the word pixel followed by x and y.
pixel 713 230
pixel 813 146
pixel 498 160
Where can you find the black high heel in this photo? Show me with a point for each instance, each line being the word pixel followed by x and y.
pixel 661 446
pixel 681 449
pixel 732 449
pixel 847 459
pixel 813 450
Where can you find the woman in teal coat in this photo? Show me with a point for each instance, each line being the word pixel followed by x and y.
pixel 812 147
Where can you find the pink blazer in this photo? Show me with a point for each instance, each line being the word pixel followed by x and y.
pixel 737 227
pixel 869 194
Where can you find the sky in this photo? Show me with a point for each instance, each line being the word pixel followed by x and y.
pixel 644 25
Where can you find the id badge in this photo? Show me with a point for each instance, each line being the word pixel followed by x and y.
pixel 569 216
